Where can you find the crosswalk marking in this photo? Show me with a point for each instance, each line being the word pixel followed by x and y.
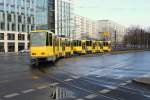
pixel 54 84
pixel 91 96
pixel 67 80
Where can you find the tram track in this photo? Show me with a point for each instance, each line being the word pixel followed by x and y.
pixel 121 88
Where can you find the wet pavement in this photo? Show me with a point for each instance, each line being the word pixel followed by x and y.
pixel 88 77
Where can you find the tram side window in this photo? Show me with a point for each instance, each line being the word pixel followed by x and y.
pixel 60 42
pixel 55 42
pixel 88 43
pixel 50 40
pixel 68 43
pixel 79 43
pixel 105 44
pixel 74 43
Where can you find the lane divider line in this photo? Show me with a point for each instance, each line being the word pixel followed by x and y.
pixel 42 87
pixel 54 84
pixel 27 91
pixel 11 95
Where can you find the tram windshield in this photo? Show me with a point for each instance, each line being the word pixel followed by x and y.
pixel 38 38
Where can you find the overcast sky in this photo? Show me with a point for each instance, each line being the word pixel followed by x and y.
pixel 125 12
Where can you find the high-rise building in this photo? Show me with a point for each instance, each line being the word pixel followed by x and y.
pixel 85 28
pixel 116 30
pixel 17 18
pixel 55 15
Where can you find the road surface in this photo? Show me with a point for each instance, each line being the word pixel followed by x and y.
pixel 97 77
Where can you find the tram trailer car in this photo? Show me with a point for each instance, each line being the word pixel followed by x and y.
pixel 107 46
pixel 89 49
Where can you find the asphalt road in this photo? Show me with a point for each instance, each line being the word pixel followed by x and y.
pixel 90 77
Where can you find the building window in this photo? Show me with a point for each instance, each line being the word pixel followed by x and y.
pixel 32 27
pixel 9 17
pixel 13 27
pixel 10 36
pixel 2 26
pixel 11 47
pixel 1 47
pixel 18 27
pixel 28 37
pixel 8 27
pixel 29 20
pixel 21 37
pixel 19 19
pixel 1 36
pixel 21 46
pixel 23 28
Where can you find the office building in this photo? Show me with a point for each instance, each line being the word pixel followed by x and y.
pixel 85 28
pixel 16 21
pixel 116 30
pixel 55 15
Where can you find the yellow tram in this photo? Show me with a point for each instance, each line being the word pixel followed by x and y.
pixel 46 46
pixel 43 45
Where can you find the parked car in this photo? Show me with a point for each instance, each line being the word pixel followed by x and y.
pixel 24 51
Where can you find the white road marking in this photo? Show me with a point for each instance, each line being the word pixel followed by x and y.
pixel 104 91
pixel 128 81
pixel 98 76
pixel 29 90
pixel 75 77
pixel 67 80
pixel 86 74
pixel 42 87
pixel 79 99
pixel 91 96
pixel 54 84
pixel 112 87
pixel 122 84
pixel 11 95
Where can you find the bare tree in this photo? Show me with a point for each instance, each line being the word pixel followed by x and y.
pixel 137 38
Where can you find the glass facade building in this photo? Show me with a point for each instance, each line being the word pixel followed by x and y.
pixel 55 15
pixel 41 15
pixel 17 19
pixel 17 15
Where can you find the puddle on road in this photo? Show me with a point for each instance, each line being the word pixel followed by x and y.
pixel 57 93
